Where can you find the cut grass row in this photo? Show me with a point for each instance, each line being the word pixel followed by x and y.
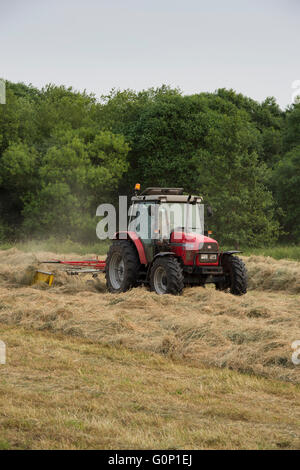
pixel 58 392
pixel 58 246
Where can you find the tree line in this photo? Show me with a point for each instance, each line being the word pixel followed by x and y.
pixel 63 152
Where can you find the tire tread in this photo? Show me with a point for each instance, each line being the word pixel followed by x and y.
pixel 131 261
pixel 174 274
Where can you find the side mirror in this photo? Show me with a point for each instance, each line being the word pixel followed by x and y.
pixel 209 211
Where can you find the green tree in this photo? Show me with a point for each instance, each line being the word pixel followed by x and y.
pixel 62 153
pixel 286 176
pixel 75 178
pixel 286 180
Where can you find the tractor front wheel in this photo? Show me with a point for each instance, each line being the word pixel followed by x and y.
pixel 122 266
pixel 166 276
pixel 236 276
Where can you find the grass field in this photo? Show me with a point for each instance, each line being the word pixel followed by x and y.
pixel 61 392
pixel 88 369
pixel 278 252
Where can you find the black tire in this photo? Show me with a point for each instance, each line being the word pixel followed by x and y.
pixel 236 276
pixel 169 270
pixel 124 278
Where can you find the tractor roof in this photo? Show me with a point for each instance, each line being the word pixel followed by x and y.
pixel 165 195
pixel 159 191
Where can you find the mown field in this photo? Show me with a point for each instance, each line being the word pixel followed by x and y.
pixel 89 369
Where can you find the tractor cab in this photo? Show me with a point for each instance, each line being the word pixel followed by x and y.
pixel 167 220
pixel 160 211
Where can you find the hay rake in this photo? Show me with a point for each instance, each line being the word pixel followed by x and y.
pixel 90 266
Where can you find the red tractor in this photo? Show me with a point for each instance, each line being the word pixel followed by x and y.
pixel 170 256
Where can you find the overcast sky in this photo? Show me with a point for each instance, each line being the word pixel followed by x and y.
pixel 251 46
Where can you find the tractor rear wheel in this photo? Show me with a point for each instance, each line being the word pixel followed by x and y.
pixel 122 266
pixel 166 276
pixel 236 276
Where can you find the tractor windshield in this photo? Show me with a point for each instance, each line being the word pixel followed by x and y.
pixel 180 216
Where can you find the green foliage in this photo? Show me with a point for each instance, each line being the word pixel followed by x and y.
pixel 18 168
pixel 75 177
pixel 286 176
pixel 53 179
pixel 286 181
pixel 62 153
pixel 292 129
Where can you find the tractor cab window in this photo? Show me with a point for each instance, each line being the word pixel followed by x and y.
pixel 142 219
pixel 180 217
pixel 152 220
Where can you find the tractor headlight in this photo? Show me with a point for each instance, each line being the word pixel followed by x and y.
pixel 214 257
pixel 204 256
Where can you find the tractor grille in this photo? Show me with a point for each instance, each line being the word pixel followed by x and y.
pixel 208 253
pixel 209 248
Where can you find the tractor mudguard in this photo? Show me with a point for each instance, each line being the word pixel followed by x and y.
pixel 158 255
pixel 230 252
pixel 164 253
pixel 137 242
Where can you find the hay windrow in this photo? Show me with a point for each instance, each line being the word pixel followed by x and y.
pixel 252 333
pixel 266 273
